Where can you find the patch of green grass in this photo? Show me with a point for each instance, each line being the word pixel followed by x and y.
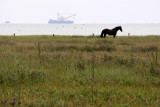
pixel 79 71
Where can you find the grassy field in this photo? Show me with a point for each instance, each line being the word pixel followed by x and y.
pixel 37 71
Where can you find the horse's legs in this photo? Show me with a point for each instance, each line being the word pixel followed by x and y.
pixel 114 36
pixel 101 35
pixel 105 35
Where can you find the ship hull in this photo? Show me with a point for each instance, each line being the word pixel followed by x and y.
pixel 60 22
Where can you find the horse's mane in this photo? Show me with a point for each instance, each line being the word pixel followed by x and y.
pixel 116 28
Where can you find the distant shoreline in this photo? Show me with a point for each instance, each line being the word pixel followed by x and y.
pixel 77 29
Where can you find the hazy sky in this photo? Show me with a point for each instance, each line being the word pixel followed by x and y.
pixel 88 11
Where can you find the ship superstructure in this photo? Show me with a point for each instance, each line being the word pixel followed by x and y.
pixel 62 20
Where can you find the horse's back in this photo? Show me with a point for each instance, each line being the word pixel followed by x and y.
pixel 105 30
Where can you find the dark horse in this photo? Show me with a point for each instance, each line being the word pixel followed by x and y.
pixel 110 31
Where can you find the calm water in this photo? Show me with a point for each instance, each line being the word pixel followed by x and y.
pixel 77 29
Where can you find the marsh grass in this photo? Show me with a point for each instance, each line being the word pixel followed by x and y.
pixel 154 66
pixel 79 71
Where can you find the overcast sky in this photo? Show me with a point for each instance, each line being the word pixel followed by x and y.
pixel 88 11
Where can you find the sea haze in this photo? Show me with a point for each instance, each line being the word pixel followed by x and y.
pixel 77 29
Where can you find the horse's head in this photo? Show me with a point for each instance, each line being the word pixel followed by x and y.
pixel 120 28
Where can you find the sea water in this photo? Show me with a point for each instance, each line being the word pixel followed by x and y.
pixel 78 29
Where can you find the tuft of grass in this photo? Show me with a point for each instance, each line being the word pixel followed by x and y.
pixel 154 66
pixel 152 48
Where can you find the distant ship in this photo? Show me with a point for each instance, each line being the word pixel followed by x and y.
pixel 7 22
pixel 62 20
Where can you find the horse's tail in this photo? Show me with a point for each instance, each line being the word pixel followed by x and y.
pixel 101 34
